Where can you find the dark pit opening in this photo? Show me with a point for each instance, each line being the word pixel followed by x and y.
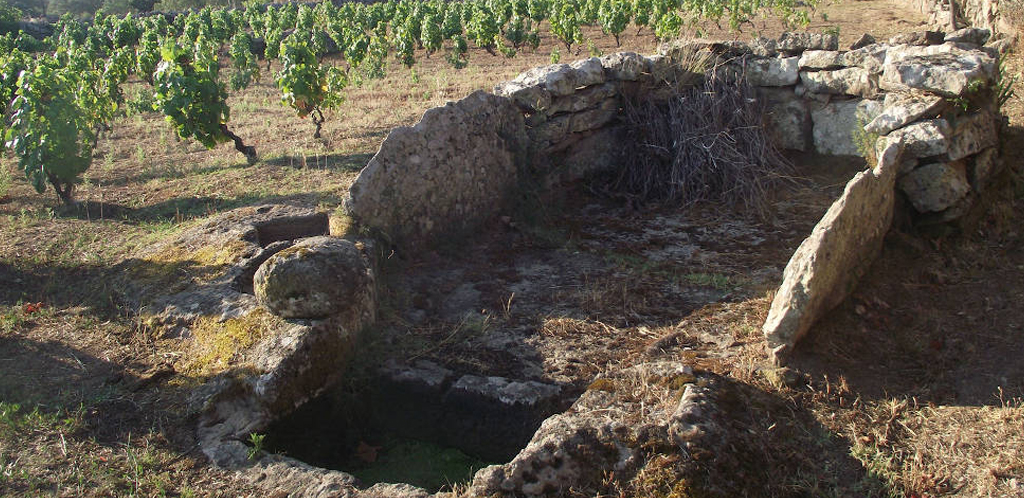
pixel 422 425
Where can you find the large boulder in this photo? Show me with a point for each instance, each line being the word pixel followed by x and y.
pixel 826 267
pixel 316 278
pixel 446 175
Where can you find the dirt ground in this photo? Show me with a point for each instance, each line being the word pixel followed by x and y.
pixel 911 388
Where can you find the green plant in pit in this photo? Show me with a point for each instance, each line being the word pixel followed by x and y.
pixel 255 445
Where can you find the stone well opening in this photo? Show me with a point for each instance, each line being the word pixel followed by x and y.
pixel 420 425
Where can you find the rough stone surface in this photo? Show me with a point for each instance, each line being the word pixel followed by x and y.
pixel 902 109
pixel 871 58
pixel 835 123
pixel 448 173
pixel 975 36
pixel 971 134
pixel 796 42
pixel 315 278
pixel 982 168
pixel 776 71
pixel 559 79
pixel 925 138
pixel 625 66
pixel 787 119
pixel 827 265
pixel 584 99
pixel 589 71
pixel 848 81
pixel 917 38
pixel 944 69
pixel 864 40
pixel 530 98
pixel 580 446
pixel 935 187
pixel 822 59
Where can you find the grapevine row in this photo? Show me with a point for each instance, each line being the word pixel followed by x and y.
pixel 59 93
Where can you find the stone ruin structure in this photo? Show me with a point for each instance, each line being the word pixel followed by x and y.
pixel 920 104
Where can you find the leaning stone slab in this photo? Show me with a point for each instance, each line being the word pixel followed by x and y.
pixel 925 138
pixel 944 69
pixel 316 278
pixel 446 174
pixel 935 187
pixel 834 125
pixel 827 265
pixel 849 81
pixel 902 109
pixel 971 134
pixel 775 71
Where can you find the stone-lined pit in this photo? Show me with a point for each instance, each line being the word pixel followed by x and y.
pixel 422 425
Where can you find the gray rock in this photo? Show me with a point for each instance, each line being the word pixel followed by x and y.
pixel 973 133
pixel 822 59
pixel 825 268
pixel 589 71
pixel 865 40
pixel 624 66
pixel 925 138
pixel 871 57
pixel 981 169
pixel 764 47
pixel 999 46
pixel 448 173
pixel 315 278
pixel 944 69
pixel 917 38
pixel 559 79
pixel 530 98
pixel 793 43
pixel 586 98
pixel 776 71
pixel 849 81
pixel 902 109
pixel 787 119
pixel 935 187
pixel 593 119
pixel 975 36
pixel 551 131
pixel 834 125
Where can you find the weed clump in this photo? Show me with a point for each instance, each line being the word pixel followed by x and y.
pixel 704 144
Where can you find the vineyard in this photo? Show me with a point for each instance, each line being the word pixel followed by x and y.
pixel 61 94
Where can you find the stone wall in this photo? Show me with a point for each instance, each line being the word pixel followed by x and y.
pixel 968 13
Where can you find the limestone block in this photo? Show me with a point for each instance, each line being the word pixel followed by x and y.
pixel 973 133
pixel 624 66
pixel 917 38
pixel 925 138
pixel 975 36
pixel 849 81
pixel 530 98
pixel 944 69
pixel 827 265
pixel 935 187
pixel 870 57
pixel 834 125
pixel 793 43
pixel 902 109
pixel 559 79
pixel 864 40
pixel 822 59
pixel 589 72
pixel 584 99
pixel 775 71
pixel 981 169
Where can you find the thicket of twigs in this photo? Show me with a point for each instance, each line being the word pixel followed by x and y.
pixel 707 143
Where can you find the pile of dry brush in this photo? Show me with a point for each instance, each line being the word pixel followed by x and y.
pixel 707 143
